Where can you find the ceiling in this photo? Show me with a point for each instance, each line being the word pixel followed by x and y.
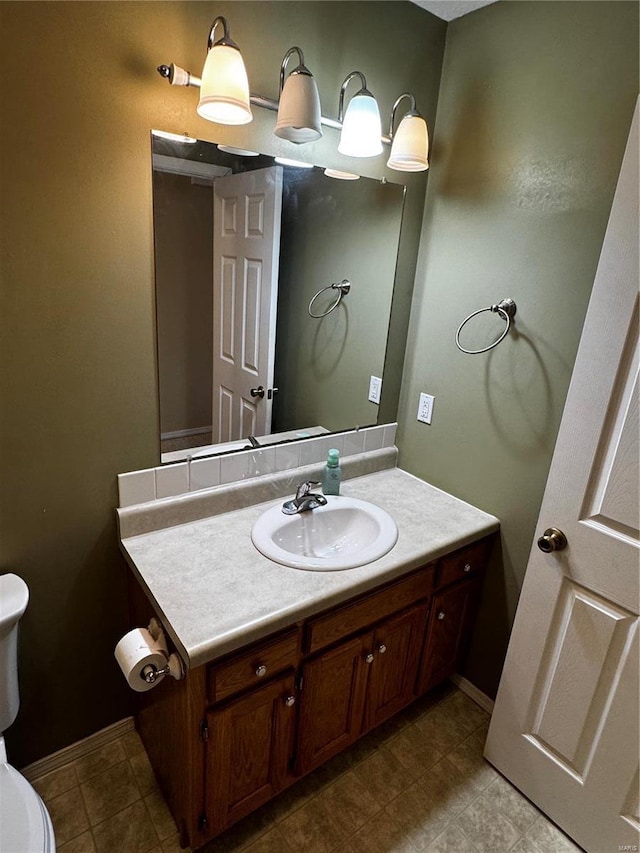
pixel 450 9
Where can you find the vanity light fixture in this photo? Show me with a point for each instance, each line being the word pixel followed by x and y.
pixel 225 98
pixel 224 87
pixel 341 176
pixel 361 126
pixel 410 143
pixel 299 113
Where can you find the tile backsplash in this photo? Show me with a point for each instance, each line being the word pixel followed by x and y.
pixel 180 478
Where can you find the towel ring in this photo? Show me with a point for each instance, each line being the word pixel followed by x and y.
pixel 506 308
pixel 342 287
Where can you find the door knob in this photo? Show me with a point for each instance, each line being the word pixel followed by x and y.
pixel 257 392
pixel 552 540
pixel 290 701
pixel 368 658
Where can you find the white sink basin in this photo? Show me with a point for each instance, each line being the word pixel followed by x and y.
pixel 341 535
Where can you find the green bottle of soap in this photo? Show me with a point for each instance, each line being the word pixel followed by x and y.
pixel 331 474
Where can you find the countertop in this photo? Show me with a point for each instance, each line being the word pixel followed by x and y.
pixel 214 592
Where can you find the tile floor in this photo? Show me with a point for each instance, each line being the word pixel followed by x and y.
pixel 418 783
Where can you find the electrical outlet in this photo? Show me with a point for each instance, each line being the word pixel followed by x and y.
pixel 375 389
pixel 425 408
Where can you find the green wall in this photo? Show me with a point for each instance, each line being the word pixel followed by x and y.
pixel 78 400
pixel 533 115
pixel 333 230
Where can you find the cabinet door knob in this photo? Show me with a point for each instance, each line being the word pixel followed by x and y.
pixel 261 671
pixel 441 615
pixel 382 648
pixel 290 701
pixel 369 658
pixel 467 567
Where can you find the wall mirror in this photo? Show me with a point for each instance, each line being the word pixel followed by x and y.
pixel 242 245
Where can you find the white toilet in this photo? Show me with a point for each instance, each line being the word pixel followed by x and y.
pixel 25 825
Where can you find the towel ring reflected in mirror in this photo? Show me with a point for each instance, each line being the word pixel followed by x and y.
pixel 506 308
pixel 342 287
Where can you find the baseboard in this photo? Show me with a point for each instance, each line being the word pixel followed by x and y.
pixel 77 750
pixel 473 692
pixel 185 433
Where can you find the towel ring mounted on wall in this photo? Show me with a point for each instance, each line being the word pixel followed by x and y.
pixel 342 287
pixel 506 308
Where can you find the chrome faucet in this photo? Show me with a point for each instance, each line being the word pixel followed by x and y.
pixel 304 500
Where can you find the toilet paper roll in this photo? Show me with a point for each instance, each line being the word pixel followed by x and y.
pixel 134 651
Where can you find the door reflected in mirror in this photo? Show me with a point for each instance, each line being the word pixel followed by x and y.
pixel 242 245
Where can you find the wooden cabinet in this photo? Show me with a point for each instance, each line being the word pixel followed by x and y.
pixel 351 688
pixel 449 629
pixel 332 697
pixel 249 745
pixel 239 730
pixel 396 650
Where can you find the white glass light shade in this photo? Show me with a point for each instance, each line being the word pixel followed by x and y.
pixel 299 110
pixel 361 128
pixel 341 176
pixel 297 164
pixel 410 149
pixel 224 91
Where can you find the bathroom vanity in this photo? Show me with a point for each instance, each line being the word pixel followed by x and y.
pixel 286 668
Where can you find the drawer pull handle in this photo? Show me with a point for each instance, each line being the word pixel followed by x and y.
pixel 467 567
pixel 290 701
pixel 441 615
pixel 369 658
pixel 382 648
pixel 261 671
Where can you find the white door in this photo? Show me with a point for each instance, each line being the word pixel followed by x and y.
pixel 246 253
pixel 565 723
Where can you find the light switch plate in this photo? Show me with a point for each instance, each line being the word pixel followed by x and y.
pixel 425 408
pixel 375 389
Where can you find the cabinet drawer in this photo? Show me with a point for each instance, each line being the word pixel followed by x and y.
pixel 340 623
pixel 253 666
pixel 464 563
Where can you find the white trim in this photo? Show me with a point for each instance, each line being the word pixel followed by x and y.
pixel 177 166
pixel 183 433
pixel 473 692
pixel 78 749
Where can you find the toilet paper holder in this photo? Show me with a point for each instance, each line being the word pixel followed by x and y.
pixel 151 673
pixel 174 666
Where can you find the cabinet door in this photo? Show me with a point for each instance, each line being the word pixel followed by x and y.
pixel 397 644
pixel 331 701
pixel 450 625
pixel 248 752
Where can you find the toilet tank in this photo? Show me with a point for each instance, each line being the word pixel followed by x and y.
pixel 14 597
